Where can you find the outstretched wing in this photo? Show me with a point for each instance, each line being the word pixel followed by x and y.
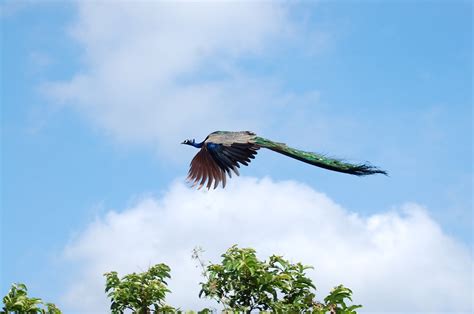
pixel 214 161
pixel 204 168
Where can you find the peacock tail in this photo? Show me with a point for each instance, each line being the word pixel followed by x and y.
pixel 318 159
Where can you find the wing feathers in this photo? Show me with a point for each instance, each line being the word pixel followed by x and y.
pixel 212 164
pixel 226 163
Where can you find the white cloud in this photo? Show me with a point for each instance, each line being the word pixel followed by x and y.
pixel 158 72
pixel 399 260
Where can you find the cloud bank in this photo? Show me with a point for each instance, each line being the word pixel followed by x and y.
pixel 399 260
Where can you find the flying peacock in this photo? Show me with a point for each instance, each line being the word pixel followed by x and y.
pixel 221 152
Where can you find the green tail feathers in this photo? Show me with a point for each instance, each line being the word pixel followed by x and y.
pixel 319 160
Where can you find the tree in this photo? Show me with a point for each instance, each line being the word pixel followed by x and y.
pixel 17 301
pixel 139 292
pixel 242 282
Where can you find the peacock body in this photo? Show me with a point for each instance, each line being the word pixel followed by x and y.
pixel 222 152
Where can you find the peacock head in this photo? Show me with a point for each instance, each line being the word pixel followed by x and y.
pixel 189 142
pixel 193 143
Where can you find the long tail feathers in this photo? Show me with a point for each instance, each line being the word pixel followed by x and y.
pixel 319 160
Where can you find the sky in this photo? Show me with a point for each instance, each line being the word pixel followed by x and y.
pixel 96 97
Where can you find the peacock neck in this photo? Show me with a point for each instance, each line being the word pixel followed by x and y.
pixel 197 145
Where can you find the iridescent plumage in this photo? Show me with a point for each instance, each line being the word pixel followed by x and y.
pixel 222 151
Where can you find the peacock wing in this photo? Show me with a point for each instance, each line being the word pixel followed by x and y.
pixel 228 157
pixel 204 169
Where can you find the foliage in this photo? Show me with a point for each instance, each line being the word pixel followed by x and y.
pixel 139 292
pixel 242 283
pixel 334 302
pixel 17 301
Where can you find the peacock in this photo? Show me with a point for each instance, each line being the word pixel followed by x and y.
pixel 221 152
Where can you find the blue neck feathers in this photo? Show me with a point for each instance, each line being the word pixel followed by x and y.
pixel 197 145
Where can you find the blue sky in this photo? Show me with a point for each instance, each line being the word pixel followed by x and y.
pixel 94 106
